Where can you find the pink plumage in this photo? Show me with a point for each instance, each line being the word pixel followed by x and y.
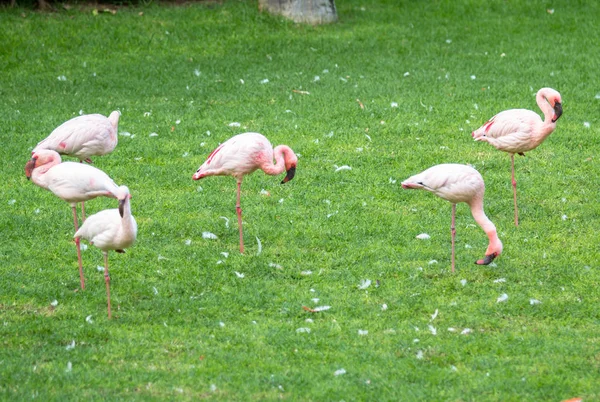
pixel 459 183
pixel 517 131
pixel 83 136
pixel 111 229
pixel 73 182
pixel 242 155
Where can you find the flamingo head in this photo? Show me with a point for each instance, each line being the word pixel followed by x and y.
pixel 41 158
pixel 554 99
pixel 291 161
pixel 493 251
pixel 558 111
pixel 290 173
pixel 123 196
pixel 29 166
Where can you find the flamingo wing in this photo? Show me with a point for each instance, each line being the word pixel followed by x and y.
pixel 101 229
pixel 509 131
pixel 82 137
pixel 76 182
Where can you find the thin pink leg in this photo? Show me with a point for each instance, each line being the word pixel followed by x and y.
pixel 77 243
pixel 453 232
pixel 107 280
pixel 238 209
pixel 82 205
pixel 514 184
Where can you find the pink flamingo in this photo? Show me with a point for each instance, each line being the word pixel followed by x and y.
pixel 242 155
pixel 459 183
pixel 517 131
pixel 82 137
pixel 110 229
pixel 70 181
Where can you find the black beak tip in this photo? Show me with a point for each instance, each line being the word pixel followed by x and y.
pixel 558 111
pixel 487 259
pixel 290 175
pixel 121 207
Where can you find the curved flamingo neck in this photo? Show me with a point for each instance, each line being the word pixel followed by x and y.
pixel 495 245
pixel 284 159
pixel 38 175
pixel 546 107
pixel 114 119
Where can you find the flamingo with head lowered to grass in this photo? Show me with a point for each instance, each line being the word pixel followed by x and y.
pixel 459 183
pixel 242 155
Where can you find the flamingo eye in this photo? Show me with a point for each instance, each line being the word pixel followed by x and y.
pixel 421 183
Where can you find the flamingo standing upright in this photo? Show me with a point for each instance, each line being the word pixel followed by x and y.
pixel 73 182
pixel 242 155
pixel 517 131
pixel 459 183
pixel 82 137
pixel 110 229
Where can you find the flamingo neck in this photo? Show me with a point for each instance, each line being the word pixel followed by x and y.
pixel 114 119
pixel 495 245
pixel 284 156
pixel 126 219
pixel 546 108
pixel 38 176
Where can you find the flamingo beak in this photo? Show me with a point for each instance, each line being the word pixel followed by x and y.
pixel 487 260
pixel 197 176
pixel 122 207
pixel 29 166
pixel 558 111
pixel 290 175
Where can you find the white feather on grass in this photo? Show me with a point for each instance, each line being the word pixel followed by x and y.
pixel 259 246
pixel 209 235
pixel 340 168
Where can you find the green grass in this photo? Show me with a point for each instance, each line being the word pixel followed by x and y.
pixel 166 340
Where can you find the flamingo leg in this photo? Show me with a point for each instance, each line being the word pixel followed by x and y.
pixel 107 281
pixel 514 184
pixel 82 212
pixel 78 245
pixel 453 232
pixel 238 209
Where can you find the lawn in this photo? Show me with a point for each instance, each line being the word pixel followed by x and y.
pixel 391 89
